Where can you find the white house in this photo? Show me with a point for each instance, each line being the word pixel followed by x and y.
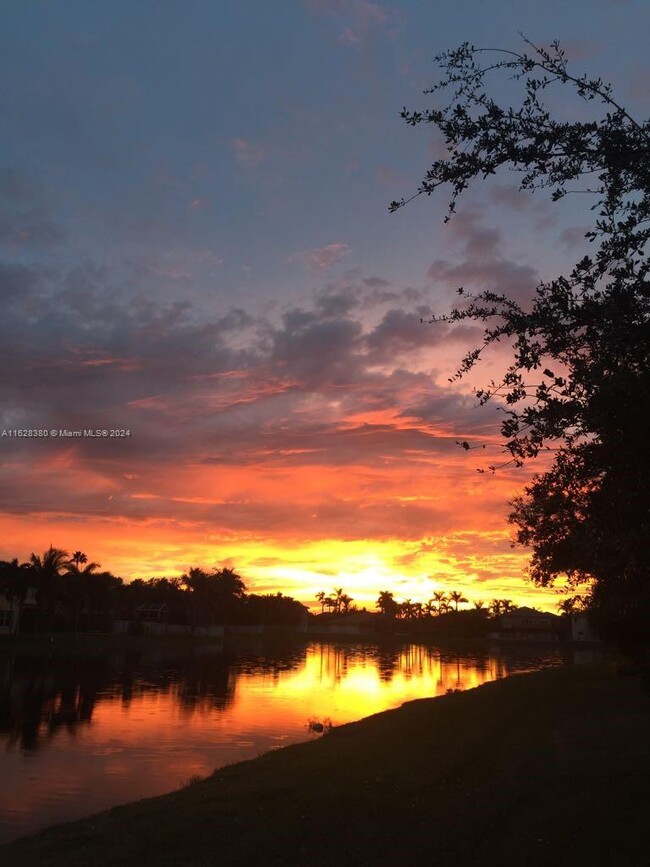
pixel 10 610
pixel 581 628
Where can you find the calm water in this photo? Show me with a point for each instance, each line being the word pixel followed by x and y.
pixel 78 735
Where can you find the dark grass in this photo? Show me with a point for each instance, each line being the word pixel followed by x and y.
pixel 549 768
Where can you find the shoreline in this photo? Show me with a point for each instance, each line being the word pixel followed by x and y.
pixel 107 642
pixel 547 767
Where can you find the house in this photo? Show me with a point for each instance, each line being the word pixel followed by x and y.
pixel 351 623
pixel 528 624
pixel 8 616
pixel 11 611
pixel 156 613
pixel 581 629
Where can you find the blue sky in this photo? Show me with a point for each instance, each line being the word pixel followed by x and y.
pixel 195 243
pixel 250 133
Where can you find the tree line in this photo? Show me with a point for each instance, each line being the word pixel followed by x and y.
pixel 440 603
pixel 339 602
pixel 64 592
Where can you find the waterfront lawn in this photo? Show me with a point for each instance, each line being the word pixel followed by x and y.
pixel 538 769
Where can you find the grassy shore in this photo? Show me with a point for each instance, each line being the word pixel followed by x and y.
pixel 550 768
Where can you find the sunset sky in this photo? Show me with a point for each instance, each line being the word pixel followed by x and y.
pixel 195 246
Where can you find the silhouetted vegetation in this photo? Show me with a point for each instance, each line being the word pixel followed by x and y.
pixel 579 381
pixel 56 592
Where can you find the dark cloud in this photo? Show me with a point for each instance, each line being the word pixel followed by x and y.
pixel 403 331
pixel 30 229
pixel 327 386
pixel 481 264
pixel 25 219
pixel 17 186
pixel 497 275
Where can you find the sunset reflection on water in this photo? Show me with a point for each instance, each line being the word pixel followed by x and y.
pixel 80 735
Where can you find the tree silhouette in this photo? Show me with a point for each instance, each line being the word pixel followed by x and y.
pixel 387 605
pixel 346 601
pixel 440 599
pixel 45 571
pixel 214 597
pixel 495 607
pixel 579 380
pixel 78 558
pixel 76 584
pixel 456 597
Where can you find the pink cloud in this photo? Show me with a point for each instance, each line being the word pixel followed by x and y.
pixel 321 258
pixel 389 177
pixel 359 18
pixel 248 153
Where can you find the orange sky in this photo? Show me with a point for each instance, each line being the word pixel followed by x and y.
pixel 346 489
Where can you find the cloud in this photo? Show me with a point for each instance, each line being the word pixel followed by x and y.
pixel 285 430
pixel 392 179
pixel 321 258
pixel 30 229
pixel 249 154
pixel 358 20
pixel 481 265
pixel 497 275
pixel 25 221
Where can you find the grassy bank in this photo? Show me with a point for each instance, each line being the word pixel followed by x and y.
pixel 538 769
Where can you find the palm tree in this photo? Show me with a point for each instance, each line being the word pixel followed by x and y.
pixel 78 558
pixel 479 605
pixel 440 598
pixel 321 598
pixel 338 598
pixel 195 582
pixel 495 607
pixel 407 609
pixel 456 597
pixel 230 583
pixel 76 583
pixel 571 605
pixel 386 604
pixel 507 605
pixel 46 572
pixel 345 602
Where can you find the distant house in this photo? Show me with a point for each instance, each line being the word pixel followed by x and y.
pixel 11 611
pixel 157 613
pixel 8 616
pixel 352 623
pixel 528 624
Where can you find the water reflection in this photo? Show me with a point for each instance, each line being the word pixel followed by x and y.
pixel 81 734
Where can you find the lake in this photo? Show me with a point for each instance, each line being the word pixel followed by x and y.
pixel 80 734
